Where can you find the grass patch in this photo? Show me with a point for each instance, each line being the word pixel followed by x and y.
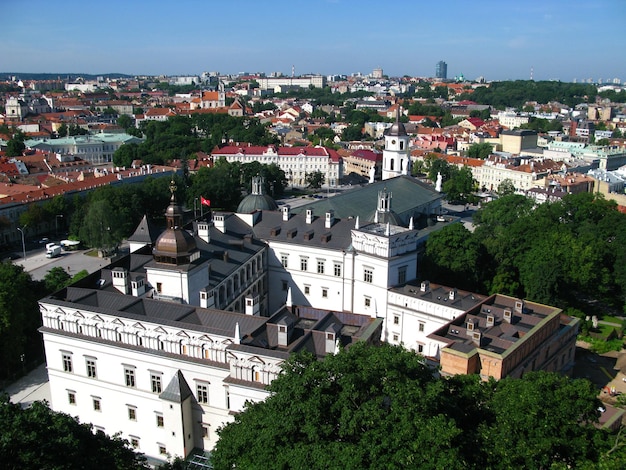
pixel 93 253
pixel 601 346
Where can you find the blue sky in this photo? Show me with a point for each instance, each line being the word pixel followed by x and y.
pixel 499 40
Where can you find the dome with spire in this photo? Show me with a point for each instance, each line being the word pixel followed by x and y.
pixel 383 213
pixel 175 245
pixel 257 200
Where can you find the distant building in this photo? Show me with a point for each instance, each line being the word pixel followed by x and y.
pixel 377 73
pixel 441 70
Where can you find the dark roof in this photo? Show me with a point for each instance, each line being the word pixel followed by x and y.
pixel 146 232
pixel 256 202
pixel 271 227
pixel 410 197
pixel 177 390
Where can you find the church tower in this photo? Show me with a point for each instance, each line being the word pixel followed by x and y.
pixel 396 157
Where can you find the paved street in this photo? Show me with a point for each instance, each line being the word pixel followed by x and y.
pixel 30 388
pixel 38 265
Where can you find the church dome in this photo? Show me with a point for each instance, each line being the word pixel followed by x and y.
pixel 175 245
pixel 175 242
pixel 256 202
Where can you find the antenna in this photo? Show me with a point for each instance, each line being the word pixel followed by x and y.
pixel 531 72
pixel 293 71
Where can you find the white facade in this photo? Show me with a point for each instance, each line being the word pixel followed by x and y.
pixel 396 155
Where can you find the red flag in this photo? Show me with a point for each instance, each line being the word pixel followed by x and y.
pixel 206 202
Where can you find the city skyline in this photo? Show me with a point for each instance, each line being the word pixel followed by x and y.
pixel 560 40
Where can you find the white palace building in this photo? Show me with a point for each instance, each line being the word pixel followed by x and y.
pixel 166 344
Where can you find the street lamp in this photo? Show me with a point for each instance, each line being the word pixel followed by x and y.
pixel 56 220
pixel 23 243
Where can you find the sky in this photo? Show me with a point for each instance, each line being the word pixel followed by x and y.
pixel 565 40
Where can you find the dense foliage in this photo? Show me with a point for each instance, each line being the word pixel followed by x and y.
pixel 183 136
pixel 382 407
pixel 516 93
pixel 37 437
pixel 555 253
pixel 19 318
pixel 323 96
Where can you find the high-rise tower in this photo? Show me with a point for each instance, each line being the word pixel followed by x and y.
pixel 441 70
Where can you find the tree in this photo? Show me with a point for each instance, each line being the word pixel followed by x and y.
pixel 55 279
pixel 125 121
pixel 102 226
pixel 352 133
pixel 221 185
pixel 314 179
pixel 460 187
pixel 15 145
pixel 37 437
pixel 382 407
pixel 542 420
pixel 455 258
pixel 506 187
pixel 481 151
pixel 19 317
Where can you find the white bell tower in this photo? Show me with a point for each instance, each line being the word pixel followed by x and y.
pixel 396 157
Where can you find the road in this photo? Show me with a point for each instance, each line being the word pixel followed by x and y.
pixel 37 265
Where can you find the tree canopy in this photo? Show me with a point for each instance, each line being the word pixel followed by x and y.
pixel 37 437
pixel 516 93
pixel 382 407
pixel 19 317
pixel 554 253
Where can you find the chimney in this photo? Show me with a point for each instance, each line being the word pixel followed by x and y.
pixel 253 306
pixel 519 306
pixel 452 294
pixel 286 212
pixel 507 315
pixel 220 222
pixel 203 231
pixel 490 320
pixel 425 286
pixel 309 216
pixel 225 256
pixel 476 337
pixel 330 219
pixel 120 280
pixel 284 332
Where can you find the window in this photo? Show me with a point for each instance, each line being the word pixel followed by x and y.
pixel 307 290
pixel 96 404
pixel 162 449
pixel 320 266
pixel 159 421
pixel 132 413
pixel 91 368
pixel 284 260
pixel 396 320
pixel 368 301
pixel 338 269
pixel 205 432
pixel 304 263
pixel 67 362
pixel 368 275
pixel 203 393
pixel 421 327
pixel 159 287
pixel 401 274
pixel 134 442
pixel 420 348
pixel 324 292
pixel 129 374
pixel 71 398
pixel 155 379
pixel 395 338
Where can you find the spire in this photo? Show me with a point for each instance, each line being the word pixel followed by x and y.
pixel 388 229
pixel 356 224
pixel 376 217
pixel 237 334
pixel 289 301
pixel 411 227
